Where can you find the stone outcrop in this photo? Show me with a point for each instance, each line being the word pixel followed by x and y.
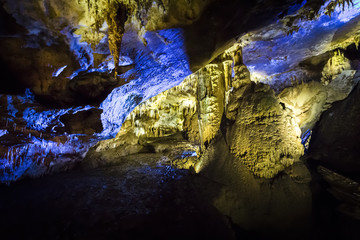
pixel 159 125
pixel 193 108
pixel 210 100
pixel 265 134
pixel 255 156
pixel 257 203
pixel 271 55
pixel 309 100
pixel 227 127
pixel 238 122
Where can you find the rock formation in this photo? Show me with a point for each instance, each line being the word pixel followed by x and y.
pixel 244 133
pixel 258 139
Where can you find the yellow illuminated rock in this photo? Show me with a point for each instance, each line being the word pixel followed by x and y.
pixel 211 100
pixel 195 107
pixel 169 113
pixel 334 67
pixel 266 136
pixel 144 15
pixel 309 100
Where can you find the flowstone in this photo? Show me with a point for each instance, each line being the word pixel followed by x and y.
pixel 266 137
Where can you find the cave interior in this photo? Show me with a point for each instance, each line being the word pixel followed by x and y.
pixel 179 119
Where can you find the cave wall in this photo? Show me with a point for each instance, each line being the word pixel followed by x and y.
pixel 334 140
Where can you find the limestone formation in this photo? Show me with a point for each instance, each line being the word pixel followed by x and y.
pixel 210 100
pixel 266 137
pixel 249 140
pixel 241 78
pixel 264 192
pixel 334 67
pixel 116 19
pixel 255 156
pixel 165 114
pixel 309 100
pixel 195 107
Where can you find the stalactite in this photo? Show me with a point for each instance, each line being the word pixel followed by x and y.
pixel 330 8
pixel 116 20
pixel 357 41
pixel 227 74
pixel 312 10
pixel 198 96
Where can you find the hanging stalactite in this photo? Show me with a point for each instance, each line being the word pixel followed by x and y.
pixel 118 14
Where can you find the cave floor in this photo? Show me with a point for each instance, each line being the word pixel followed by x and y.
pixel 140 197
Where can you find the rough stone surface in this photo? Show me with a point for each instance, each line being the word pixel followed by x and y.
pixel 34 142
pixel 270 52
pixel 265 136
pixel 258 114
pixel 258 145
pixel 87 31
pixel 193 108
